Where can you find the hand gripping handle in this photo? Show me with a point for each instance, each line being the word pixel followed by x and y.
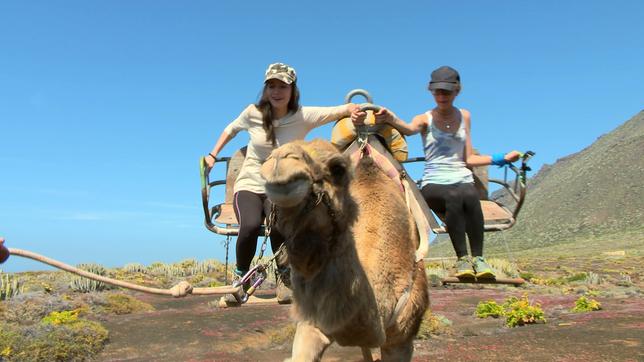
pixel 4 252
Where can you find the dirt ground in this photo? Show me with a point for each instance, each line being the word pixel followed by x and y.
pixel 193 329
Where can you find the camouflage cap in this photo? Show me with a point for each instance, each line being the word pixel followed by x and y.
pixel 280 71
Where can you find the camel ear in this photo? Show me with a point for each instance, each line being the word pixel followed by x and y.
pixel 338 167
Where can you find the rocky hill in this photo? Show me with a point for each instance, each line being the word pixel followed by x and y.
pixel 590 197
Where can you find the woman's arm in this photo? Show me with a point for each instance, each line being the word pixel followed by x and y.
pixel 224 138
pixel 319 116
pixel 473 160
pixel 241 122
pixel 416 125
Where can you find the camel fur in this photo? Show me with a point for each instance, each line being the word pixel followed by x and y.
pixel 350 240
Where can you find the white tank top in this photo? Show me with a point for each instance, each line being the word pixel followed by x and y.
pixel 444 161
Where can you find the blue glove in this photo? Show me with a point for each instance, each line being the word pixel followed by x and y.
pixel 498 159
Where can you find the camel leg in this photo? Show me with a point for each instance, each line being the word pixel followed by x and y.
pixel 309 343
pixel 366 354
pixel 397 353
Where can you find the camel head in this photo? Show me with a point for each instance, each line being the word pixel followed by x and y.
pixel 295 170
pixel 308 183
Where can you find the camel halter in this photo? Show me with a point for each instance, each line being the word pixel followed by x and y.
pixel 314 199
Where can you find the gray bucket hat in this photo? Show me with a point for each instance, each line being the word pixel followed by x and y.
pixel 280 71
pixel 446 78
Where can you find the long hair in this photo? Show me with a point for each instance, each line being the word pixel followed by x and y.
pixel 264 106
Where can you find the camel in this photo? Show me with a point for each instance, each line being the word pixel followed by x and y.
pixel 350 241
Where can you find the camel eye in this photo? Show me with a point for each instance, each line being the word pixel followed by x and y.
pixel 293 156
pixel 338 170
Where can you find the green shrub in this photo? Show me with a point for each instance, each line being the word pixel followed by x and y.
pixel 489 309
pixel 528 276
pixel 125 304
pixel 282 335
pixel 435 274
pixel 216 283
pixel 32 307
pixel 584 304
pixel 548 281
pixel 432 324
pixel 577 277
pixel 517 311
pixel 196 279
pixel 63 317
pixel 624 280
pixel 69 341
pixel 504 267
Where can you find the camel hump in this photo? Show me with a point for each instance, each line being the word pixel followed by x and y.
pixel 372 158
pixel 374 168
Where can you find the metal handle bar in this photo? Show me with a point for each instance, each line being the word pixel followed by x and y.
pixel 527 155
pixel 414 159
pixel 356 92
pixel 205 196
pixel 370 107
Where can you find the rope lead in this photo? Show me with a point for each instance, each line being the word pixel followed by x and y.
pixel 182 289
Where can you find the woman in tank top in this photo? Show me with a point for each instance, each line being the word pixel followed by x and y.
pixel 275 120
pixel 447 184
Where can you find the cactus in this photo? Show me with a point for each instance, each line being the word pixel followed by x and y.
pixel 9 286
pixel 84 285
pixel 205 267
pixel 134 268
pixel 187 264
pixel 167 270
pixel 185 268
pixel 593 278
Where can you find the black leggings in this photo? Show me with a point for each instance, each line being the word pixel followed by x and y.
pixel 250 209
pixel 462 209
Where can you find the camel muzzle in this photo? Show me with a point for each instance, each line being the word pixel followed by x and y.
pixel 288 194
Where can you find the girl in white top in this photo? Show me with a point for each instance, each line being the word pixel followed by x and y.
pixel 275 120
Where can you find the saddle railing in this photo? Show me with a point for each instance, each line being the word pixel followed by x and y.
pixel 497 216
pixel 220 218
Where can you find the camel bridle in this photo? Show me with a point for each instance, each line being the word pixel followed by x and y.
pixel 318 196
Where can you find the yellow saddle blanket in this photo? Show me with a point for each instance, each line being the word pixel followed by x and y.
pixel 344 132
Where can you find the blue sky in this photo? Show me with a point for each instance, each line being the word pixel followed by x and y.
pixel 106 106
